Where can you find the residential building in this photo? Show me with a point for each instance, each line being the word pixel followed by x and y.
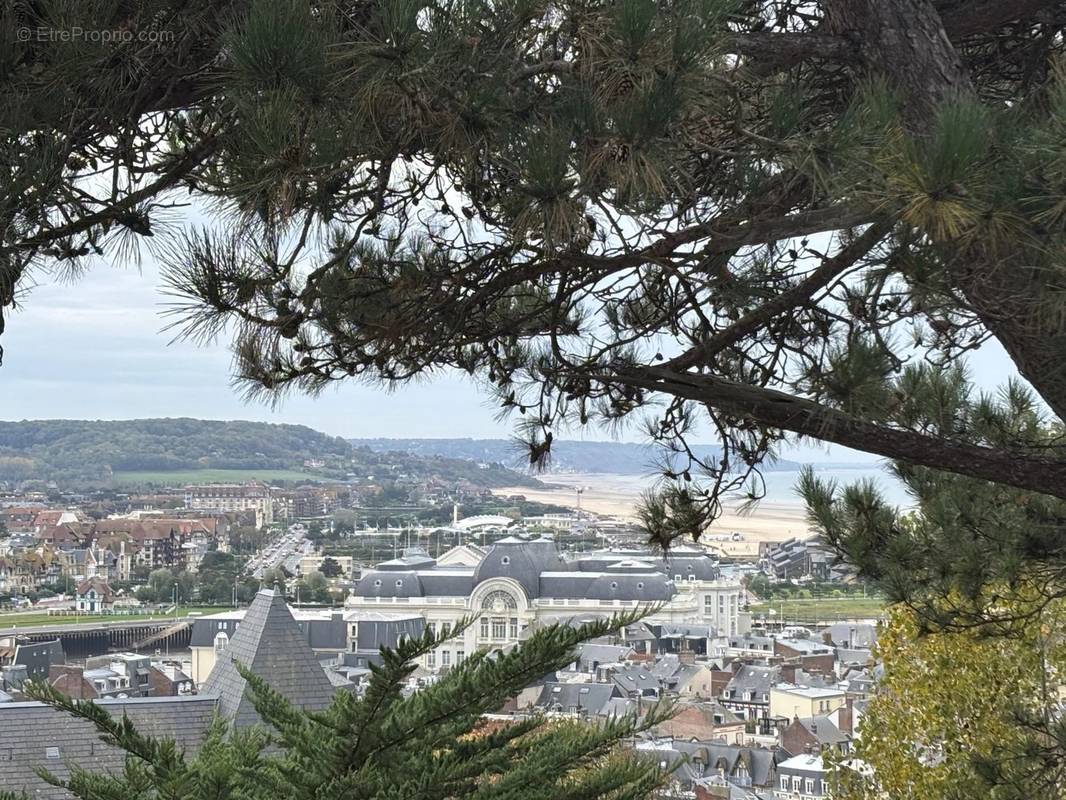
pixel 252 496
pixel 748 692
pixel 788 701
pixel 309 564
pixel 801 777
pixel 93 596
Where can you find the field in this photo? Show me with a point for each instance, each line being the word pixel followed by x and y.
pixel 824 608
pixel 183 477
pixel 21 619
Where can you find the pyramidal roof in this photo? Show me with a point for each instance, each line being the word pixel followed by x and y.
pixel 270 644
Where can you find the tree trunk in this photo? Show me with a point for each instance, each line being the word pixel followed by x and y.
pixel 1019 302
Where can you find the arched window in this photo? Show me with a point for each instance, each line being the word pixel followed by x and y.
pixel 498 601
pixel 221 641
pixel 499 619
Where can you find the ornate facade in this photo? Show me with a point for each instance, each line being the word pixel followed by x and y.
pixel 521 583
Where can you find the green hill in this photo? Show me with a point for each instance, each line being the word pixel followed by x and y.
pixel 173 451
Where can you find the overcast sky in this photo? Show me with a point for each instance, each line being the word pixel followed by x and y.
pixel 96 349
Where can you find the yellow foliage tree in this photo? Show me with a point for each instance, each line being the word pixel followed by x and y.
pixel 961 715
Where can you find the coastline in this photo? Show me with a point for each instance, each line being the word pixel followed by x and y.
pixel 617 496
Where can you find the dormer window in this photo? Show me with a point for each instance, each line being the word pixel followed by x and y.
pixel 505 560
pixel 399 583
pixel 377 583
pixel 614 585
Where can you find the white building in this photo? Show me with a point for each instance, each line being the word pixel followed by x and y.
pixel 251 496
pixel 519 583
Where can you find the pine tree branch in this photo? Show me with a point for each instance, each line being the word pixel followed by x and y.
pixel 798 415
pixel 829 270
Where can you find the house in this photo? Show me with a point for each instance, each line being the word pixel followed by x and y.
pixel 748 691
pixel 636 681
pixel 93 596
pixel 169 680
pixel 697 763
pixel 591 656
pixel 788 701
pixel 813 735
pixel 703 722
pixel 577 699
pixel 801 777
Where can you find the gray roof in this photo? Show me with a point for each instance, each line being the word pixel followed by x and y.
pixel 447 582
pixel 648 587
pixel 388 583
pixel 637 678
pixel 59 740
pixel 522 561
pixel 591 654
pixel 758 761
pixel 272 646
pixel 590 698
pixel 849 634
pixel 204 630
pixel 824 730
pixel 752 678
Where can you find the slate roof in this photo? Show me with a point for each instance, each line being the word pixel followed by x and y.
pixel 638 679
pixel 522 561
pixel 271 645
pixel 592 654
pixel 751 678
pixel 59 740
pixel 824 730
pixel 589 698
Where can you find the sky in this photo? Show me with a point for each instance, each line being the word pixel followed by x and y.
pixel 97 349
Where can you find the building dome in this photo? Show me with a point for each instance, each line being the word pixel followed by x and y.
pixel 521 561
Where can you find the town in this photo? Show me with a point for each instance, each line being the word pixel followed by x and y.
pixel 144 601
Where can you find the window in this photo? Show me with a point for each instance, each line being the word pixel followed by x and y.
pixel 499 601
pixel 809 786
pixel 431 659
pixel 499 628
pixel 432 629
pixel 505 560
pixel 514 627
pixel 484 628
pixel 445 658
pixel 640 584
pixel 459 656
pixel 784 783
pixel 796 780
pixel 614 585
pixel 221 642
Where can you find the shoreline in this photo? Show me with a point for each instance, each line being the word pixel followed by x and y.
pixel 617 496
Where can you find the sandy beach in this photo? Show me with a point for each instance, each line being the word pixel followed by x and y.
pixel 617 496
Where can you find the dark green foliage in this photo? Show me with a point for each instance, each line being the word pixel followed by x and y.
pixel 426 746
pixel 968 546
pixel 89 451
pixel 726 219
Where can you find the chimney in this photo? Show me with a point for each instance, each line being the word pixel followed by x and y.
pixel 845 716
